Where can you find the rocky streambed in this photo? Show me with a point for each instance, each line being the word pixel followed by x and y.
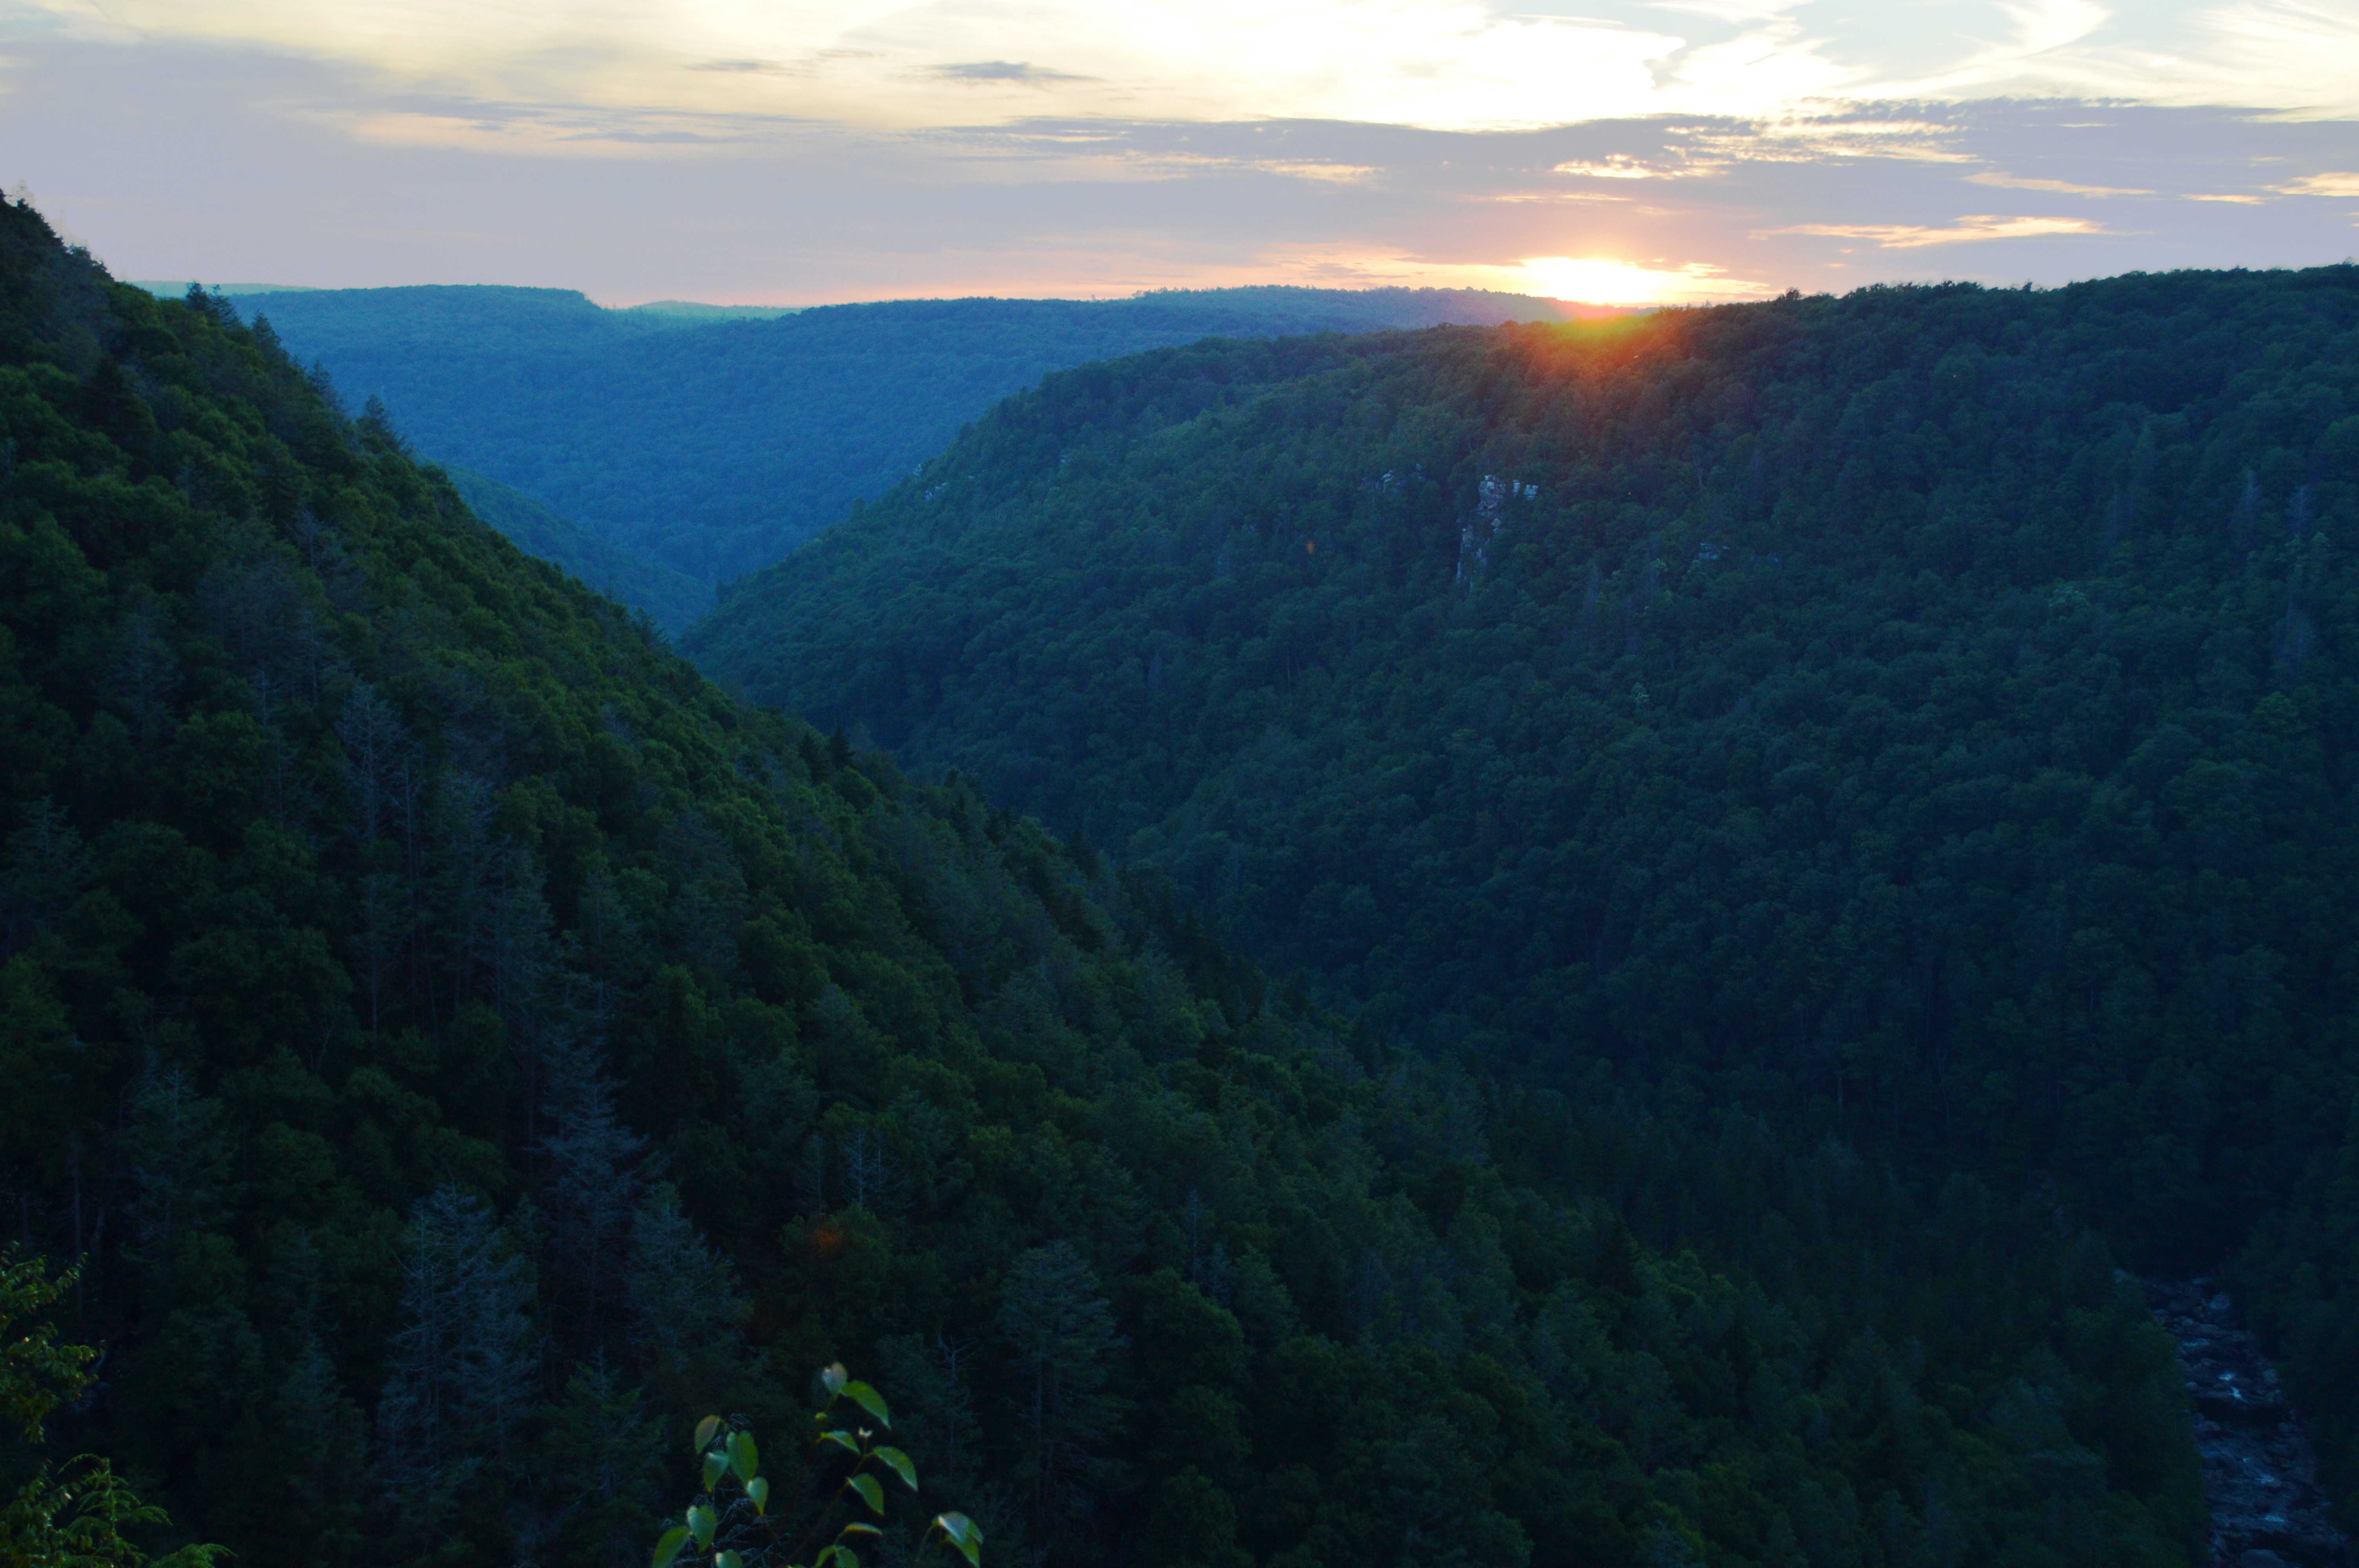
pixel 2259 1472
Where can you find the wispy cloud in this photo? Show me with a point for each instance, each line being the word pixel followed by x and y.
pixel 1617 168
pixel 1456 64
pixel 2337 183
pixel 1008 73
pixel 2059 186
pixel 1914 236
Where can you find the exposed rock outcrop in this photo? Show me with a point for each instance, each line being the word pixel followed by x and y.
pixel 2259 1470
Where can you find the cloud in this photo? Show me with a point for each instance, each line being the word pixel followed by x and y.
pixel 2338 183
pixel 1832 132
pixel 2059 186
pixel 1910 237
pixel 1618 166
pixel 1011 74
pixel 1441 64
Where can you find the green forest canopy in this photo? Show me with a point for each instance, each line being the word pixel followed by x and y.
pixel 462 1045
pixel 1930 716
pixel 713 447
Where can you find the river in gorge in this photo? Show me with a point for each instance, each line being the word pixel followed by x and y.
pixel 2260 1473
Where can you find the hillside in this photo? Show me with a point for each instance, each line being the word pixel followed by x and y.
pixel 713 447
pixel 461 1046
pixel 1928 715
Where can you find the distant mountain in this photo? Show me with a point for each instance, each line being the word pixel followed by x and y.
pixel 672 598
pixel 715 447
pixel 690 310
pixel 164 289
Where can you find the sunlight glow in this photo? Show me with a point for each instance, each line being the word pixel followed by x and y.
pixel 1597 280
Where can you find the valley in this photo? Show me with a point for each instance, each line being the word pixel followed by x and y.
pixel 710 442
pixel 1317 929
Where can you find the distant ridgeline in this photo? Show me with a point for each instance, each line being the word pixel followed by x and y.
pixel 461 1046
pixel 1930 716
pixel 713 446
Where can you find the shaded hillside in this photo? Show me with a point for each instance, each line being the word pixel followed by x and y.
pixel 673 599
pixel 716 448
pixel 1930 713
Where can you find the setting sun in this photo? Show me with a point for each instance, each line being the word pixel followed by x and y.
pixel 1599 281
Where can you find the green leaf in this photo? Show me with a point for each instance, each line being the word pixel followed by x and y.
pixel 714 1464
pixel 860 1530
pixel 702 1522
pixel 744 1457
pixel 870 1492
pixel 728 1560
pixel 901 1466
pixel 843 1440
pixel 835 1379
pixel 758 1490
pixel 669 1547
pixel 870 1401
pixel 964 1534
pixel 704 1430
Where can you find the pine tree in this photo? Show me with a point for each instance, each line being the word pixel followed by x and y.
pixel 458 1373
pixel 1059 1332
pixel 589 1192
pixel 687 1306
pixel 377 750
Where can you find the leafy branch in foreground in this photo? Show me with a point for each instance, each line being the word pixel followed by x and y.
pixel 730 1523
pixel 72 1517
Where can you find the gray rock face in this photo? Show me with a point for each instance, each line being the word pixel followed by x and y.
pixel 2259 1470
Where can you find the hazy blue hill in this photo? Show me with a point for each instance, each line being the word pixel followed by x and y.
pixel 173 289
pixel 673 599
pixel 1931 714
pixel 472 319
pixel 716 447
pixel 690 310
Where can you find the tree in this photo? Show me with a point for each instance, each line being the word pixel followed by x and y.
pixel 459 1375
pixel 589 1191
pixel 687 1306
pixel 1059 1336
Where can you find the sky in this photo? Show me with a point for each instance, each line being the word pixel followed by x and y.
pixel 809 151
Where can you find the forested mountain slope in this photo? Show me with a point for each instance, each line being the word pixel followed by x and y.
pixel 461 1046
pixel 714 449
pixel 1927 713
